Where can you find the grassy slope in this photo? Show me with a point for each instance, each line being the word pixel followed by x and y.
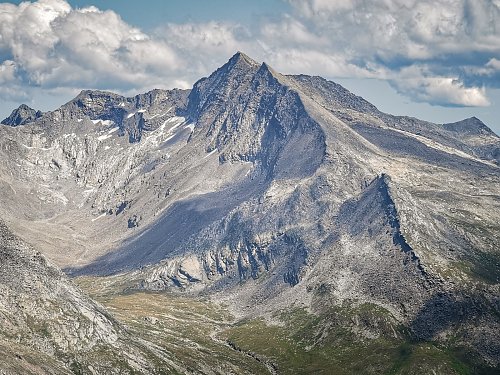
pixel 18 359
pixel 185 329
pixel 304 346
pixel 204 338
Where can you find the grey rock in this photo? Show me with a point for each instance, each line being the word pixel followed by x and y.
pixel 43 313
pixel 22 115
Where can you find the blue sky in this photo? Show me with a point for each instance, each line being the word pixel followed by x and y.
pixel 153 13
pixel 438 60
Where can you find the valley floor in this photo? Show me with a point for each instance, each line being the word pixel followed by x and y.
pixel 202 337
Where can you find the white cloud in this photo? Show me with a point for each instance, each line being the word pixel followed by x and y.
pixel 7 72
pixel 450 37
pixel 311 61
pixel 321 8
pixel 493 63
pixel 400 27
pixel 290 31
pixel 416 83
pixel 53 45
pixel 204 46
pixel 424 48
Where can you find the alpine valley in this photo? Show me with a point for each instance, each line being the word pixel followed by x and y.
pixel 257 223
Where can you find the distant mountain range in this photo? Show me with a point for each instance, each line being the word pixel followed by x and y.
pixel 262 191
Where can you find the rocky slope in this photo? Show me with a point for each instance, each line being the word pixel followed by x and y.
pixel 268 191
pixel 49 326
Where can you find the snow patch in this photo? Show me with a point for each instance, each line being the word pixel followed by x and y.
pixel 38 148
pixel 103 122
pixel 113 130
pixel 98 217
pixel 178 120
pixel 104 137
pixel 210 153
pixel 190 126
pixel 169 138
pixel 160 115
pixel 131 114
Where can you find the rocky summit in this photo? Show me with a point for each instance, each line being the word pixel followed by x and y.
pixel 326 230
pixel 22 115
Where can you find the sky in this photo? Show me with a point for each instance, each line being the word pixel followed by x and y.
pixel 438 60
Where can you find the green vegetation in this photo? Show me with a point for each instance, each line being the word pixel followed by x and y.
pixel 479 265
pixel 19 359
pixel 183 329
pixel 340 343
pixel 198 334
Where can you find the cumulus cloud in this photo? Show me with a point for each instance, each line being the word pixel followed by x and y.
pixel 294 60
pixel 443 52
pixel 401 27
pixel 7 72
pixel 52 45
pixel 424 87
pixel 493 64
pixel 204 46
pixel 457 41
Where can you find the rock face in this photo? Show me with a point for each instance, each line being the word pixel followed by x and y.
pixel 49 326
pixel 128 114
pixel 22 115
pixel 268 190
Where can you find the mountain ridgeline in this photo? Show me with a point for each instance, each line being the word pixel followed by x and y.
pixel 269 193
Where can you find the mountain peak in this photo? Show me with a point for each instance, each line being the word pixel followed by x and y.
pixel 95 99
pixel 97 94
pixel 471 125
pixel 22 115
pixel 241 58
pixel 239 63
pixel 268 70
pixel 227 81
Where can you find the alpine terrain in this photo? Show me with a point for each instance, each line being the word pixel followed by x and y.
pixel 257 223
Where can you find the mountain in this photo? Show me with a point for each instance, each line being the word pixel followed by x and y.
pixel 22 115
pixel 273 193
